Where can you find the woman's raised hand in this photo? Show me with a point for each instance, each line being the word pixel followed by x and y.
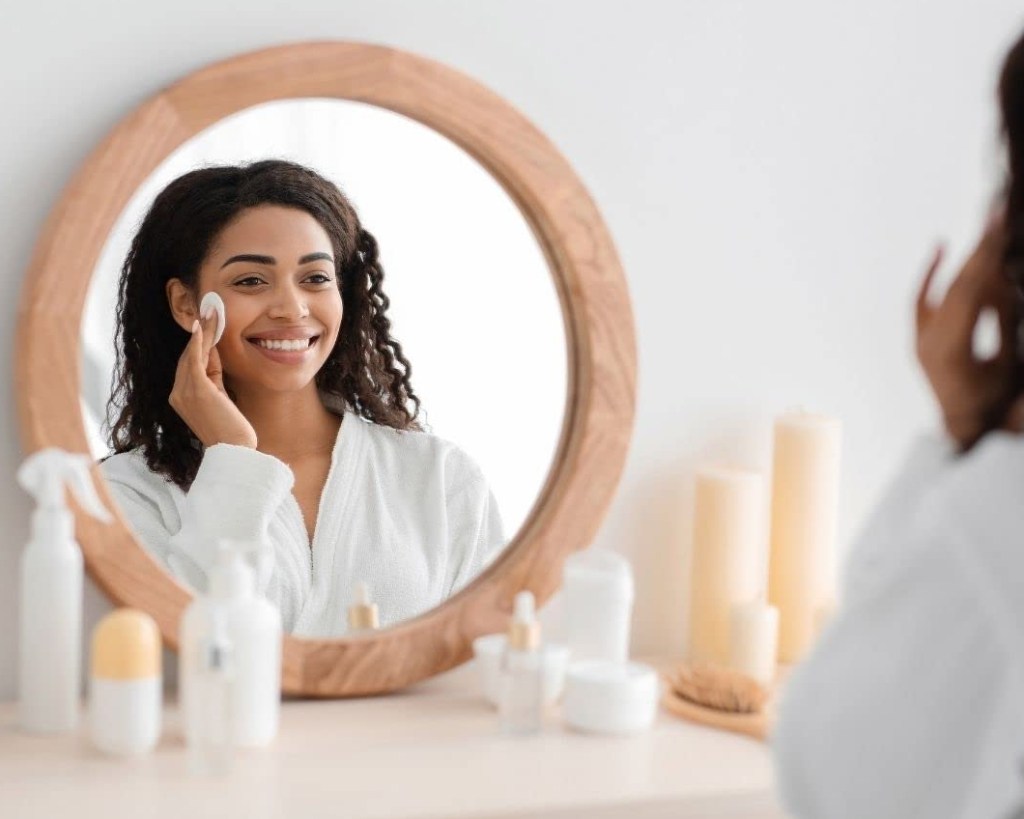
pixel 199 397
pixel 975 395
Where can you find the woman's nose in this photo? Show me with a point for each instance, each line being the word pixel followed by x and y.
pixel 289 304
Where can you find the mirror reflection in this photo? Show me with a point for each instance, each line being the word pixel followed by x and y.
pixel 384 400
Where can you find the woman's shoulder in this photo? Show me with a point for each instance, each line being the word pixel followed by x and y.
pixel 416 446
pixel 130 469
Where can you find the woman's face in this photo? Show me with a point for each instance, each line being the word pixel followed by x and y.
pixel 274 268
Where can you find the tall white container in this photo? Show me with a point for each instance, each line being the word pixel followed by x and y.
pixel 252 626
pixel 50 600
pixel 598 589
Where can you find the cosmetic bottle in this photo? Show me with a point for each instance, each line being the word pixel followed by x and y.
pixel 50 627
pixel 362 615
pixel 521 679
pixel 252 626
pixel 125 683
pixel 598 592
pixel 211 751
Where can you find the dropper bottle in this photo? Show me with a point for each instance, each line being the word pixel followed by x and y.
pixel 50 628
pixel 363 615
pixel 520 705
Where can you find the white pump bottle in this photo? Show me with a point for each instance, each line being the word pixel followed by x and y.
pixel 50 647
pixel 252 625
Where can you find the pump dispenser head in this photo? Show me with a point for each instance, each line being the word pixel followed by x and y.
pixel 524 630
pixel 362 615
pixel 231 577
pixel 44 475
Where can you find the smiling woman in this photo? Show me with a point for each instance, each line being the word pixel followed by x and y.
pixel 295 429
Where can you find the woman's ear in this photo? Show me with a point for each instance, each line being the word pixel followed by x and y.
pixel 183 304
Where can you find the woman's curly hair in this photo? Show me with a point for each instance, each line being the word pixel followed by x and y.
pixel 1011 104
pixel 366 371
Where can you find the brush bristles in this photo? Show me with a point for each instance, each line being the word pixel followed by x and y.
pixel 718 688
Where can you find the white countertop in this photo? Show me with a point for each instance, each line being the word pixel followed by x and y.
pixel 430 751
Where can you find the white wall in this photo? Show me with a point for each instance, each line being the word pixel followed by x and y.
pixel 774 175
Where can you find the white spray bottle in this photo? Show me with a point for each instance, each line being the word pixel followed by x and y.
pixel 50 648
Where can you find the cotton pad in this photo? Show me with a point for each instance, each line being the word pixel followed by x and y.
pixel 212 302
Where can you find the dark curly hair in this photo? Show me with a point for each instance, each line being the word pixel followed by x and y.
pixel 1011 105
pixel 362 371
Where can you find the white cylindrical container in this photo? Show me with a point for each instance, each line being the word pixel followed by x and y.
pixel 598 593
pixel 754 640
pixel 488 651
pixel 125 683
pixel 50 592
pixel 50 645
pixel 610 698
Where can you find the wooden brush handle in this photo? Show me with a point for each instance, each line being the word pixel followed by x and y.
pixel 757 724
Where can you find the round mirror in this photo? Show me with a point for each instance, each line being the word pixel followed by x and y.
pixel 500 284
pixel 472 303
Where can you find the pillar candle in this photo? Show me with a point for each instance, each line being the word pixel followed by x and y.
pixel 805 494
pixel 729 541
pixel 753 640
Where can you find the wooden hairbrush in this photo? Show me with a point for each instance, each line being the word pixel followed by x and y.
pixel 720 698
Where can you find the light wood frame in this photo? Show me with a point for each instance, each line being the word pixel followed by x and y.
pixel 591 286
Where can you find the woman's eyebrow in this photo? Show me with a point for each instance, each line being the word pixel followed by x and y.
pixel 254 258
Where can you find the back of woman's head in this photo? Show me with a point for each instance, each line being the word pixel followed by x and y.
pixel 362 371
pixel 1011 103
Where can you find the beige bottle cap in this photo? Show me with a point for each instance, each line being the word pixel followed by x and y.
pixel 125 646
pixel 524 630
pixel 362 614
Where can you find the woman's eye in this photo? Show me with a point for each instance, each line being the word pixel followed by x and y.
pixel 318 278
pixel 250 281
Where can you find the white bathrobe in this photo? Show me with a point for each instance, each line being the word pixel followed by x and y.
pixel 911 706
pixel 408 512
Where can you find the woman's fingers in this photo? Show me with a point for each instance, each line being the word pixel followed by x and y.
pixel 194 350
pixel 214 370
pixel 209 326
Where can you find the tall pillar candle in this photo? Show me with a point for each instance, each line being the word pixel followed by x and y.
pixel 805 497
pixel 729 539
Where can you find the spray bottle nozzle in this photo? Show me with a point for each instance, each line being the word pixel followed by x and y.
pixel 45 473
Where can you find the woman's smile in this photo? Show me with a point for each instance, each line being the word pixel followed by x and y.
pixel 285 348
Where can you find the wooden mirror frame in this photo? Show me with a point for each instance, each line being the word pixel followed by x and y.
pixel 591 287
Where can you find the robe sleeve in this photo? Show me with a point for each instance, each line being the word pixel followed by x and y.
pixel 910 704
pixel 235 494
pixel 475 527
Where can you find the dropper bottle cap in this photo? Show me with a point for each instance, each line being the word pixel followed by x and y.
pixel 524 630
pixel 363 615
